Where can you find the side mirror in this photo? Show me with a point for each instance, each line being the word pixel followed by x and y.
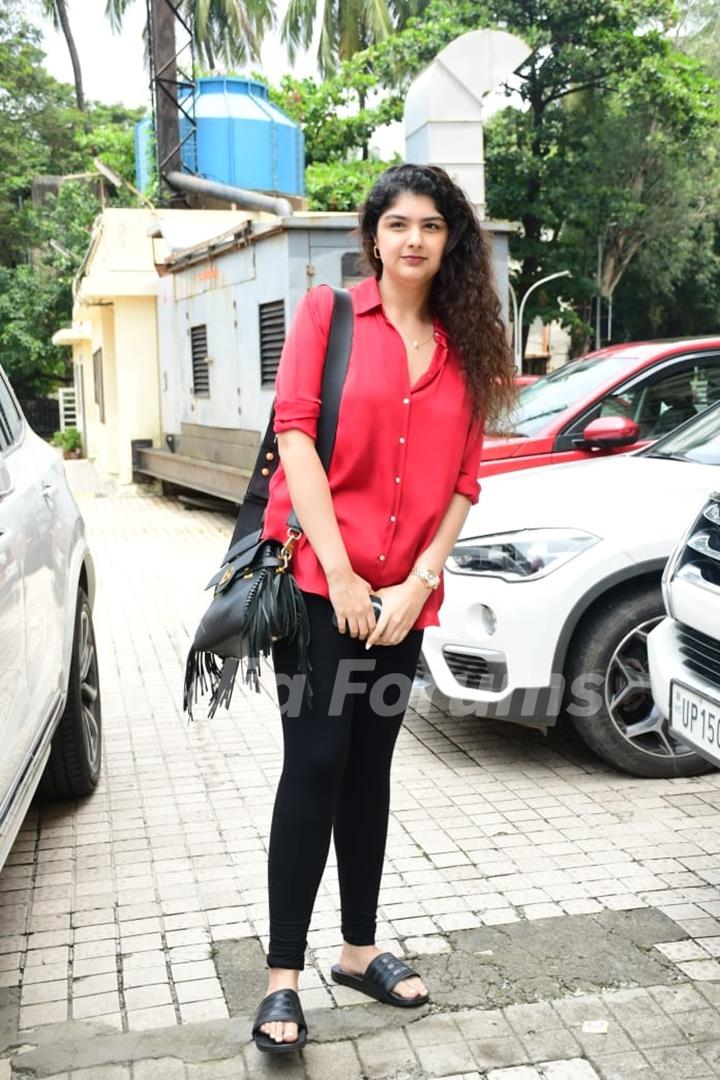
pixel 610 431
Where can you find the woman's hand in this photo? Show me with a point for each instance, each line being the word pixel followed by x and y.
pixel 350 597
pixel 401 605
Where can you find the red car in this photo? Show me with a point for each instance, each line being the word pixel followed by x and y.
pixel 608 402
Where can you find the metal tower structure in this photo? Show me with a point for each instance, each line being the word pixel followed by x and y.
pixel 172 86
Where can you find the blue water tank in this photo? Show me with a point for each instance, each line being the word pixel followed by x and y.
pixel 242 138
pixel 245 140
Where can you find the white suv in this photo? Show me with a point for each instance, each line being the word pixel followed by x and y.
pixel 684 650
pixel 50 718
pixel 553 587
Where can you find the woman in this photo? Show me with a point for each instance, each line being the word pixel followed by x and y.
pixel 429 365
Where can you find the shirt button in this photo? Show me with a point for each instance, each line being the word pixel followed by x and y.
pixel 402 439
pixel 381 558
pixel 397 479
pixel 406 401
pixel 393 518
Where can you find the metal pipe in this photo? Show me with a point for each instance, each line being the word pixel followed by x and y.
pixel 248 200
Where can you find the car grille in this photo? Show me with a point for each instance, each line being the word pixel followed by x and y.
pixel 700 561
pixel 474 671
pixel 701 653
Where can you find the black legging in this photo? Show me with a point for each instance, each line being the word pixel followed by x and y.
pixel 336 776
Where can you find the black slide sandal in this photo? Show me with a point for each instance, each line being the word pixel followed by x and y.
pixel 382 973
pixel 282 1005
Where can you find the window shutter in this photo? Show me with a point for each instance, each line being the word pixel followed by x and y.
pixel 199 351
pixel 272 339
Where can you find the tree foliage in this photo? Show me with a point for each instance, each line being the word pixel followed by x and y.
pixel 43 237
pixel 346 27
pixel 231 31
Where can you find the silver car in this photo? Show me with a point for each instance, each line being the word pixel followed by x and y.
pixel 50 714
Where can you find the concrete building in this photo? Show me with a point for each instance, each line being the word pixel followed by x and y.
pixel 113 334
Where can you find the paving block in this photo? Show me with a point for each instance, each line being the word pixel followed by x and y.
pixel 157 1017
pixel 194 1012
pixel 443 1058
pixel 483 1024
pixel 531 1018
pixel 329 1061
pixel 429 1030
pixel 385 1052
pixel 165 1068
pixel 519 1072
pixel 631 1065
pixel 498 1053
pixel 574 1069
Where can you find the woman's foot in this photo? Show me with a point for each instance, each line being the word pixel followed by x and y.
pixel 354 960
pixel 280 979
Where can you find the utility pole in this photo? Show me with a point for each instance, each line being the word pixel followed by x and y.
pixel 519 320
pixel 163 61
pixel 166 80
pixel 598 300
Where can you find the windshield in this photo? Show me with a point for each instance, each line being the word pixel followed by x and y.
pixel 556 392
pixel 699 440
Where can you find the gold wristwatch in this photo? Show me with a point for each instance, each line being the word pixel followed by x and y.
pixel 428 577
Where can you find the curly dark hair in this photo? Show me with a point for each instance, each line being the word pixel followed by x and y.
pixel 463 295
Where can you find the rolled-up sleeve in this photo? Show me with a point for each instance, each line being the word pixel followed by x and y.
pixel 299 377
pixel 467 481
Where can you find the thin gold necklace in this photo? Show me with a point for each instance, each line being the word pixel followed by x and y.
pixel 417 344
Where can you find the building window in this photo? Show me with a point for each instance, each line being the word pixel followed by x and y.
pixel 199 350
pixel 272 339
pixel 98 383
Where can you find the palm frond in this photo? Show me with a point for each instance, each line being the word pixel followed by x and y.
pixel 115 10
pixel 296 30
pixel 49 9
pixel 376 19
pixel 329 35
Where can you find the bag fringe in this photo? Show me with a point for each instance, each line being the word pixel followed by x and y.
pixel 277 612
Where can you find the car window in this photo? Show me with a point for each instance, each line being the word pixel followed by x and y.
pixel 10 416
pixel 660 401
pixel 660 404
pixel 555 393
pixel 697 441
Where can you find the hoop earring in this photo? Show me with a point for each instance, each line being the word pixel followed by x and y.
pixel 376 252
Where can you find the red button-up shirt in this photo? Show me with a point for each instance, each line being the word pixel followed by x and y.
pixel 400 453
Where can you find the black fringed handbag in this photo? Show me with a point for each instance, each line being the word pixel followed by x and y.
pixel 256 599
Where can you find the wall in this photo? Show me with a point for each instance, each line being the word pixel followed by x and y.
pixel 225 293
pixel 137 413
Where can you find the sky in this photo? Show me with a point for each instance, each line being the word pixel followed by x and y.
pixel 112 64
pixel 113 68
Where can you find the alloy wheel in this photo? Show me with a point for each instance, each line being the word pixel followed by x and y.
pixel 89 692
pixel 629 700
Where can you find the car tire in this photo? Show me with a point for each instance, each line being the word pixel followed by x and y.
pixel 73 768
pixel 616 717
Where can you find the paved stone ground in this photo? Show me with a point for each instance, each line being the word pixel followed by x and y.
pixel 566 917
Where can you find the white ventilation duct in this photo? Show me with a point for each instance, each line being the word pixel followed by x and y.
pixel 445 105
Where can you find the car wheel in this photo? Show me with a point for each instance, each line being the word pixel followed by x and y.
pixel 73 768
pixel 615 715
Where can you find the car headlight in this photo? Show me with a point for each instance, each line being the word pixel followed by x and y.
pixel 519 556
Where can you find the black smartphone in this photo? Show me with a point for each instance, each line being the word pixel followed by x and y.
pixel 376 604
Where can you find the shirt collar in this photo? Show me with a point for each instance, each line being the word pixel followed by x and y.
pixel 367 298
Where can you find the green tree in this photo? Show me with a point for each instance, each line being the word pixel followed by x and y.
pixel 229 30
pixel 43 239
pixel 347 26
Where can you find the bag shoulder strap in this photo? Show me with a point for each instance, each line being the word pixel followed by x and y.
pixel 337 358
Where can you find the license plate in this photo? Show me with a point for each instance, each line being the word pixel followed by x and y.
pixel 695 720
